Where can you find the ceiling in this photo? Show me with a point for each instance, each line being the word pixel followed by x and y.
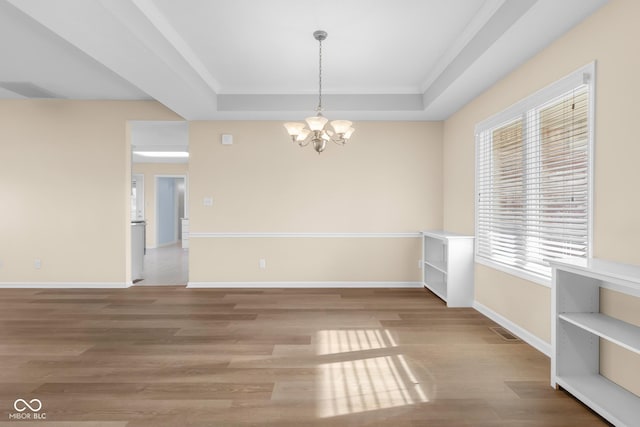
pixel 257 59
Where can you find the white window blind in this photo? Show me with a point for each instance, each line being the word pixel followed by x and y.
pixel 533 180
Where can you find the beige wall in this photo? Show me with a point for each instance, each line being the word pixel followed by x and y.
pixel 388 179
pixel 617 363
pixel 604 37
pixel 300 259
pixel 509 295
pixel 150 170
pixel 64 188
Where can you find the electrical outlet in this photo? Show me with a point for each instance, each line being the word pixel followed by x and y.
pixel 37 263
pixel 262 263
pixel 207 201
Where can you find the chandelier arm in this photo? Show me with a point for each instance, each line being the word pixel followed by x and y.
pixel 305 141
pixel 339 140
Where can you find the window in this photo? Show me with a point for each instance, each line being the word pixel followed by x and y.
pixel 533 179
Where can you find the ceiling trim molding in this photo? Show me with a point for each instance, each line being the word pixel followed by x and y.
pixel 162 25
pixel 28 90
pixel 124 41
pixel 188 94
pixel 289 115
pixel 480 19
pixel 286 102
pixel 502 19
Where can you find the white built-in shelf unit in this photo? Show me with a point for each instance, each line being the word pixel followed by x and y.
pixel 577 328
pixel 447 260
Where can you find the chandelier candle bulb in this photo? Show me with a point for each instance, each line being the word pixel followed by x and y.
pixel 316 122
pixel 294 129
pixel 341 126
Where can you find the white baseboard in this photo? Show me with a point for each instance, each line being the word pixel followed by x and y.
pixel 199 235
pixel 520 332
pixel 304 285
pixel 64 285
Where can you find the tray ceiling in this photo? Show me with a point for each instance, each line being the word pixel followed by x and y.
pixel 257 59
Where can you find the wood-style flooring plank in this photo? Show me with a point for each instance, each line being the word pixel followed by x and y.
pixel 172 356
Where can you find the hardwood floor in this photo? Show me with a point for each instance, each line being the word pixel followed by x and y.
pixel 171 356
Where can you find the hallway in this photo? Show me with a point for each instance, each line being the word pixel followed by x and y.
pixel 168 265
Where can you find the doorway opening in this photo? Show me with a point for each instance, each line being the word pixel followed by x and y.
pixel 159 202
pixel 167 262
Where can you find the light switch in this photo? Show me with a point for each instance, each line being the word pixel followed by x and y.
pixel 227 139
pixel 207 201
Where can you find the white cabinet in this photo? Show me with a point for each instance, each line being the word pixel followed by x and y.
pixel 137 250
pixel 185 233
pixel 448 266
pixel 577 328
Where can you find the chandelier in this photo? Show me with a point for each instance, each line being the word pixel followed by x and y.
pixel 317 131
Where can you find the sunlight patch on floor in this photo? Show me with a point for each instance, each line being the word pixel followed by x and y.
pixel 366 383
pixel 341 341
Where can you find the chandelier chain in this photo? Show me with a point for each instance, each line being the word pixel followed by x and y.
pixel 320 79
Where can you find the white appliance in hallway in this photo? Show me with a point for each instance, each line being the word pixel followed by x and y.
pixel 137 249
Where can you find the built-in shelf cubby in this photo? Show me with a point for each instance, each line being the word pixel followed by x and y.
pixel 577 328
pixel 448 266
